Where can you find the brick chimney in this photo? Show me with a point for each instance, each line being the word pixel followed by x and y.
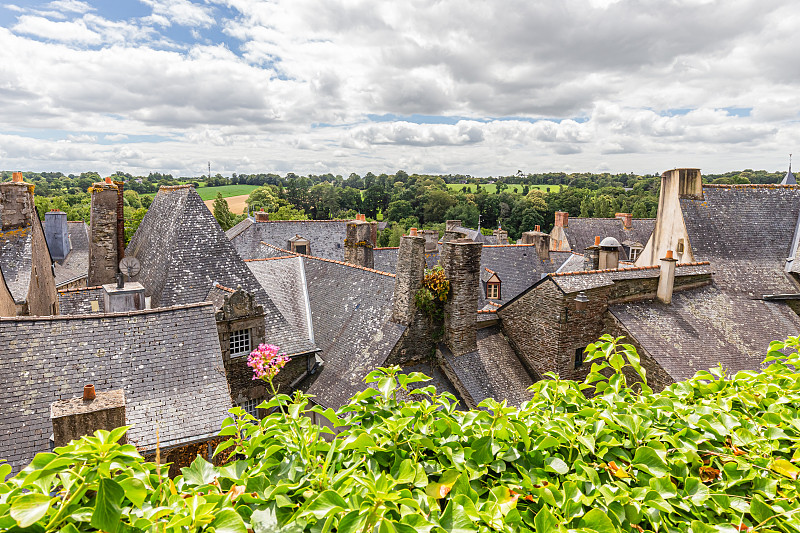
pixel 103 234
pixel 666 279
pixel 461 260
pixel 76 417
pixel 262 216
pixel 591 256
pixel 541 240
pixel 357 245
pixel 56 234
pixel 626 218
pixel 409 272
pixel 562 219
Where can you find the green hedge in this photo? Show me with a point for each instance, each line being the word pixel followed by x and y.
pixel 716 453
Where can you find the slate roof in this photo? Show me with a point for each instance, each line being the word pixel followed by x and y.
pixel 789 178
pixel 492 371
pixel 76 264
pixel 746 232
pixel 573 263
pixel 167 361
pixel 326 237
pixel 476 235
pixel 385 259
pixel 590 279
pixel 582 231
pixel 350 310
pixel 16 261
pixel 517 265
pixel 284 280
pixel 706 326
pixel 79 301
pixel 183 251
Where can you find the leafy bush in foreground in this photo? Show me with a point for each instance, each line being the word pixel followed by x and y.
pixel 713 454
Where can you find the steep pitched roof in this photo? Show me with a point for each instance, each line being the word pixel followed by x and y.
pixel 16 261
pixel 492 371
pixel 582 231
pixel 517 265
pixel 284 279
pixel 183 250
pixel 76 264
pixel 326 237
pixel 706 326
pixel 350 310
pixel 166 360
pixel 746 232
pixel 385 258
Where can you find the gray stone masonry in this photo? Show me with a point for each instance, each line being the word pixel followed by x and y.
pixel 541 240
pixel 103 253
pixel 76 417
pixel 451 225
pixel 461 260
pixel 410 273
pixel 57 234
pixel 358 245
pixel 431 237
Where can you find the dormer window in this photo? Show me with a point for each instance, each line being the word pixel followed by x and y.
pixel 240 342
pixel 299 245
pixel 493 291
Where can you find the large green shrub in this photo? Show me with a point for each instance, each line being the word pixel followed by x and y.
pixel 716 453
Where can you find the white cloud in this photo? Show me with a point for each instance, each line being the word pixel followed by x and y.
pixel 181 12
pixel 68 31
pixel 114 137
pixel 74 6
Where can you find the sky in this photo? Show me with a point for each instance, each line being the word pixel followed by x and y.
pixel 478 87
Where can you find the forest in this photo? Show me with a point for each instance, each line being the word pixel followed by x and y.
pixel 517 202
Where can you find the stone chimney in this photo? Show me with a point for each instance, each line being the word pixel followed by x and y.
pixel 609 253
pixel 357 245
pixel 373 233
pixel 129 297
pixel 502 235
pixel 262 216
pixel 76 417
pixel 17 209
pixel 410 272
pixel 120 220
pixel 591 256
pixel 431 237
pixel 562 219
pixel 461 260
pixel 666 279
pixel 626 218
pixel 56 234
pixel 451 225
pixel 541 240
pixel 103 234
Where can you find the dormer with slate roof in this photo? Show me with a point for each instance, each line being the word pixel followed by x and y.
pixel 789 178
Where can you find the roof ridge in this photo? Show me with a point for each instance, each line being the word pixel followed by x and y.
pixel 506 245
pixel 105 315
pixel 386 248
pixel 332 261
pixel 309 220
pixel 290 256
pixel 76 289
pixel 489 270
pixel 169 188
pixel 223 287
pixel 750 186
pixel 629 269
pixel 487 310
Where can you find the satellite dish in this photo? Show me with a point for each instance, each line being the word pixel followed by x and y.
pixel 130 266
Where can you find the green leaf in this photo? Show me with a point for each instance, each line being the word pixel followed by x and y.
pixel 360 442
pixel 351 522
pixel 228 521
pixel 30 508
pixel 555 464
pixel 760 510
pixel 135 490
pixel 200 472
pixel 785 468
pixel 648 460
pixel 326 503
pixel 106 508
pixel 597 520
pixel 455 519
pixel 545 522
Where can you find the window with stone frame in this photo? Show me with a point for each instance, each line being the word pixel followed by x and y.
pixel 240 343
pixel 493 291
pixel 579 354
pixel 251 406
pixel 635 253
pixel 301 249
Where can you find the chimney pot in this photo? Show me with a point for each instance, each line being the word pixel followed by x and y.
pixel 89 393
pixel 412 232
pixel 597 240
pixel 537 228
pixel 16 177
pixel 669 254
pixel 108 180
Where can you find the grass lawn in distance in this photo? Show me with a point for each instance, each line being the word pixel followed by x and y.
pixel 492 188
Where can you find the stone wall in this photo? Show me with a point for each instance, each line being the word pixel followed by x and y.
pixel 410 271
pixel 76 417
pixel 103 235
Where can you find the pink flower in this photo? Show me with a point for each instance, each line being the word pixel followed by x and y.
pixel 266 362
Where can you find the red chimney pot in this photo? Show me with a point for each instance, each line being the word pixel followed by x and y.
pixel 88 393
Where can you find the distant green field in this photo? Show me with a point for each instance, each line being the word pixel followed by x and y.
pixel 209 193
pixel 492 188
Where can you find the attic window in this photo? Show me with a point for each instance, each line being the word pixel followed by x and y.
pixel 240 342
pixel 493 290
pixel 635 253
pixel 251 406
pixel 300 249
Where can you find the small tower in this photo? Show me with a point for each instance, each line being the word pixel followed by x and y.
pixel 789 178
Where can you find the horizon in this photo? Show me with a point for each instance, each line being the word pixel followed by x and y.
pixel 315 87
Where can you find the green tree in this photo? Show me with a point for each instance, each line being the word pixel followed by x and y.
pixel 223 214
pixel 263 198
